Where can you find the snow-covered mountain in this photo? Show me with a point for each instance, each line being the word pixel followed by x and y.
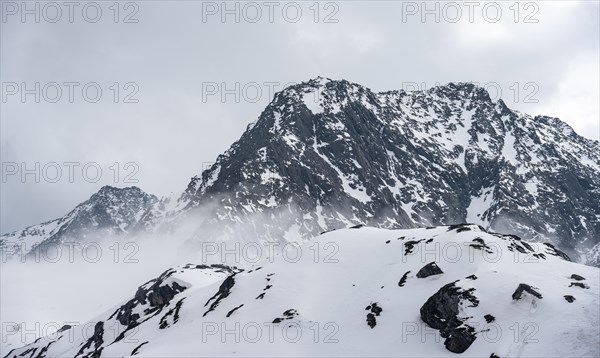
pixel 328 154
pixel 111 212
pixel 358 292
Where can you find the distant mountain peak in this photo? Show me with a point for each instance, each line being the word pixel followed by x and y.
pixel 109 212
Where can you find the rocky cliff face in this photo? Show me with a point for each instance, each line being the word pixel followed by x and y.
pixel 328 154
pixel 325 154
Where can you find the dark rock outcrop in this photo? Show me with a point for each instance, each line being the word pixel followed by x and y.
pixel 403 279
pixel 94 342
pixel 441 312
pixel 579 284
pixel 523 287
pixel 155 294
pixel 375 311
pixel 429 270
pixel 222 293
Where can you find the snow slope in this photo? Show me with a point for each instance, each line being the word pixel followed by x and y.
pixel 358 292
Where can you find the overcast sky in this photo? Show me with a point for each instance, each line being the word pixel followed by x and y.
pixel 168 55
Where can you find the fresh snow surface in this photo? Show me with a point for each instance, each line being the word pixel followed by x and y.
pixel 326 288
pixel 311 100
pixel 478 206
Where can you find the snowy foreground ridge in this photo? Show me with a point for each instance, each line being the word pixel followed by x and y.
pixel 358 292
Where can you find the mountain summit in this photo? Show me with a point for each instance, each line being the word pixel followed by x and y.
pixel 328 154
pixel 110 212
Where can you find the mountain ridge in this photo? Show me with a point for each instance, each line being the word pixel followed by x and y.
pixel 288 117
pixel 379 292
pixel 328 154
pixel 111 211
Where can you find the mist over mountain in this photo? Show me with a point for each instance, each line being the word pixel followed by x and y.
pixel 328 154
pixel 111 212
pixel 373 189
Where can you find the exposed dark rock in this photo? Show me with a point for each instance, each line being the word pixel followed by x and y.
pixel 523 287
pixel 222 293
pixel 155 294
pixel 460 227
pixel 569 298
pixel 577 277
pixel 472 277
pixel 480 244
pixel 516 243
pixel 96 340
pixel 64 328
pixel 288 314
pixel 233 310
pixel 441 311
pixel 429 270
pixel 409 245
pixel 375 311
pixel 164 321
pixel 42 352
pixel 136 350
pixel 579 284
pixel 552 250
pixel 403 279
pixel 371 321
pixel 489 318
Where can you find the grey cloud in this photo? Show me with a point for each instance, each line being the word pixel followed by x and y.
pixel 170 53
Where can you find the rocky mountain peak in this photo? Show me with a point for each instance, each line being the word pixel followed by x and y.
pixel 326 154
pixel 110 212
pixel 334 153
